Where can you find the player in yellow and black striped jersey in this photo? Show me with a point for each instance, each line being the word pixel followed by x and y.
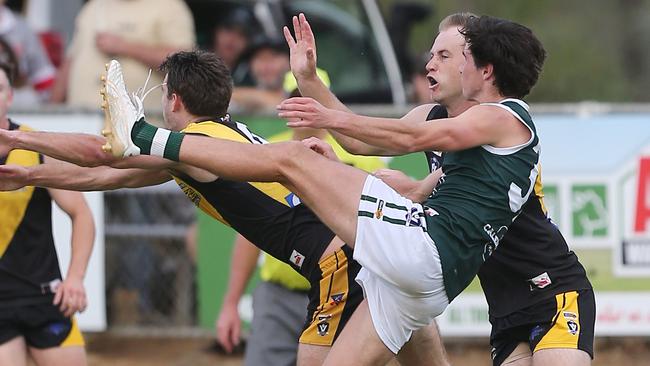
pixel 36 305
pixel 271 217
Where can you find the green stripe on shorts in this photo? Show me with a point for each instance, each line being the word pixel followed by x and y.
pixel 366 214
pixel 397 207
pixel 394 221
pixel 368 198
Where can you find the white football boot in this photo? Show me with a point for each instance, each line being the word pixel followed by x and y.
pixel 120 113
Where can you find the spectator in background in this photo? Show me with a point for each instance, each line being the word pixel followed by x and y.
pixel 269 62
pixel 138 33
pixel 35 73
pixel 230 40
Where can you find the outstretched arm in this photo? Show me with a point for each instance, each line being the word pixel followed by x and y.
pixel 302 51
pixel 77 148
pixel 479 125
pixel 68 176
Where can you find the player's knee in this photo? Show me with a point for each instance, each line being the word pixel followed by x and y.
pixel 289 153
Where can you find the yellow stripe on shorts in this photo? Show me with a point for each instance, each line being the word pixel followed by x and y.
pixel 333 295
pixel 565 330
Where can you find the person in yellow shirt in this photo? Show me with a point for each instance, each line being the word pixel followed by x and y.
pixel 280 300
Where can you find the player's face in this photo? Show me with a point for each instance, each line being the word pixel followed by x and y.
pixel 471 76
pixel 6 95
pixel 443 67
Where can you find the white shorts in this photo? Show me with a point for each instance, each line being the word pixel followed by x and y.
pixel 401 275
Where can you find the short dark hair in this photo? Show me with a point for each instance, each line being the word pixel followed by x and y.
pixel 202 81
pixel 513 50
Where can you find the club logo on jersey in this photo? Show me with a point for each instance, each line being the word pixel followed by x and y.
pixel 337 299
pixel 573 327
pixel 540 281
pixel 497 235
pixel 380 208
pixel 292 200
pixel 297 258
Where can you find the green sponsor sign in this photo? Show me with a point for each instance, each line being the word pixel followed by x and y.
pixel 589 211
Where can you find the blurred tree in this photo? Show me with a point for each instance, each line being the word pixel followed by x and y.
pixel 597 49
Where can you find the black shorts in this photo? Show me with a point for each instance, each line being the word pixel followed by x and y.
pixel 333 297
pixel 42 326
pixel 566 321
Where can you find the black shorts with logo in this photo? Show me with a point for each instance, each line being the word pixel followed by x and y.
pixel 565 321
pixel 41 325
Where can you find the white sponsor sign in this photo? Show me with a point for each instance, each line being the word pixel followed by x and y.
pixel 617 314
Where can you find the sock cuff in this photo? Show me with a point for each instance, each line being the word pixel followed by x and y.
pixel 173 146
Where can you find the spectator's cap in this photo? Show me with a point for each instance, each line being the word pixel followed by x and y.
pixel 263 42
pixel 290 84
pixel 241 19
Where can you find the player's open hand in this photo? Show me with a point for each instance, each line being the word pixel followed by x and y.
pixel 70 296
pixel 13 177
pixel 306 112
pixel 302 49
pixel 397 180
pixel 320 147
pixel 228 327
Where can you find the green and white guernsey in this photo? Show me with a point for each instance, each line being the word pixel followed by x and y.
pixel 479 195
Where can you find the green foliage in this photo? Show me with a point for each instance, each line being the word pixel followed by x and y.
pixel 597 49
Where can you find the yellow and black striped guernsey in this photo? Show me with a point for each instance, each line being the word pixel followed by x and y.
pixel 267 214
pixel 27 255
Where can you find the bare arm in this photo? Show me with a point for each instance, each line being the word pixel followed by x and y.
pixel 242 265
pixel 60 87
pixel 303 65
pixel 150 55
pixel 479 125
pixel 63 175
pixel 77 148
pixel 71 295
